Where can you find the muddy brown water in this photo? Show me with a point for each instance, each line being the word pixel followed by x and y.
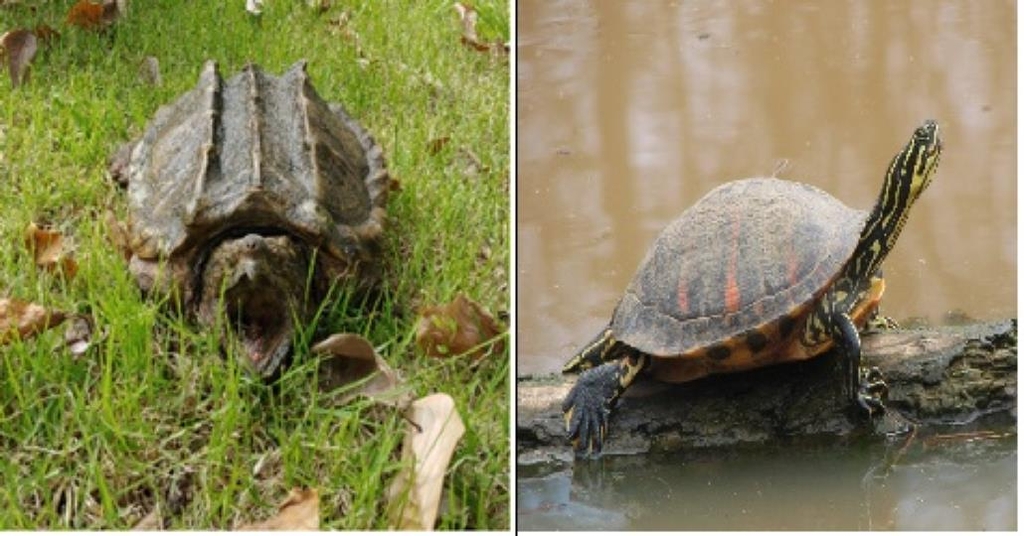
pixel 959 485
pixel 628 112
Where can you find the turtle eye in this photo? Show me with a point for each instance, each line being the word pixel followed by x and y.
pixel 927 132
pixel 927 135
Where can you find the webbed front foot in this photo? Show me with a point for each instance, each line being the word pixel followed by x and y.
pixel 588 406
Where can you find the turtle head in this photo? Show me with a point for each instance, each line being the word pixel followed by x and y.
pixel 921 157
pixel 256 282
pixel 909 174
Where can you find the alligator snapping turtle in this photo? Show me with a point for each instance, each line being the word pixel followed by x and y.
pixel 251 197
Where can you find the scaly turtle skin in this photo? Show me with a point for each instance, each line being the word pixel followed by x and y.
pixel 759 271
pixel 249 198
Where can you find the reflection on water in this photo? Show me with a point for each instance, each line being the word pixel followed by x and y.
pixel 628 112
pixel 952 485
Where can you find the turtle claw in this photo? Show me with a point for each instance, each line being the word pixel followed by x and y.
pixel 587 408
pixel 872 396
pixel 588 439
pixel 872 392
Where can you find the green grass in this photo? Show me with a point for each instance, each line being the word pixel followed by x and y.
pixel 155 413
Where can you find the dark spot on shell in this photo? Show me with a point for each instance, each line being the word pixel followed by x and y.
pixel 786 326
pixel 719 352
pixel 755 340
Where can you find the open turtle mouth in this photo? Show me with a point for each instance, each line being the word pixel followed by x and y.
pixel 257 282
pixel 262 320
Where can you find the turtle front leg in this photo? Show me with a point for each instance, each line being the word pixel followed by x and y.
pixel 866 388
pixel 589 404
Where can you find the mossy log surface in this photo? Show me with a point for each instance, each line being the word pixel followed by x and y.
pixel 937 377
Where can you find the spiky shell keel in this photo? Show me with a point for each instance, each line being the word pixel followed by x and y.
pixel 255 153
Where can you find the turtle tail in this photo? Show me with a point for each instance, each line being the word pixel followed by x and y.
pixel 593 354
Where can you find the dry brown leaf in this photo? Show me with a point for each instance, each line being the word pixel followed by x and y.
pixel 300 511
pixel 456 328
pixel 19 48
pixel 90 16
pixel 19 319
pixel 435 145
pixel 350 359
pixel 435 428
pixel 48 251
pixel 468 18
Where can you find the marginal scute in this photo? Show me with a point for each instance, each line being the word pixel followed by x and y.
pixel 755 340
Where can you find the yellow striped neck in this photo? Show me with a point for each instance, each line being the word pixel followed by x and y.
pixel 908 176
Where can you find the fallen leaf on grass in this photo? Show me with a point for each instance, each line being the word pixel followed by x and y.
pixel 468 16
pixel 457 328
pixel 435 145
pixel 19 48
pixel 300 511
pixel 19 319
pixel 349 359
pixel 435 428
pixel 48 251
pixel 90 16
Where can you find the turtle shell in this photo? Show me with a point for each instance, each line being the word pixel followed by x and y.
pixel 253 154
pixel 738 270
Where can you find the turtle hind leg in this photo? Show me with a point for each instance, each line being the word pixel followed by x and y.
pixel 878 322
pixel 593 354
pixel 588 405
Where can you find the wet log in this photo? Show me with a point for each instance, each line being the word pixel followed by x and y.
pixel 937 377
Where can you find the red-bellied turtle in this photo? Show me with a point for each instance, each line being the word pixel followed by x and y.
pixel 250 197
pixel 759 271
